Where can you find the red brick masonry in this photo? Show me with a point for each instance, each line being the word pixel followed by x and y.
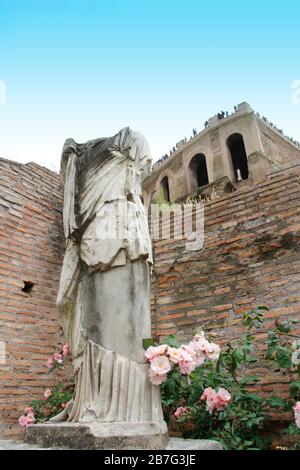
pixel 31 250
pixel 250 257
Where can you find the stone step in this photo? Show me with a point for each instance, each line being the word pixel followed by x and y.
pixel 8 444
pixel 173 444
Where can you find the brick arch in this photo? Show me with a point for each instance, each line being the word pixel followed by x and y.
pixel 190 181
pixel 198 170
pixel 169 174
pixel 235 143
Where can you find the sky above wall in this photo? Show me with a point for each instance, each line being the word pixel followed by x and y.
pixel 87 68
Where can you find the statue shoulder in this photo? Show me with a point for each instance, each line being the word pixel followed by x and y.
pixel 69 148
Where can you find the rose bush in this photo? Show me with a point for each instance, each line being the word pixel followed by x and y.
pixel 206 391
pixel 55 399
pixel 186 358
pixel 297 414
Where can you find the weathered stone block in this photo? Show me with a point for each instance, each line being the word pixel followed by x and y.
pixel 98 436
pixel 111 436
pixel 176 443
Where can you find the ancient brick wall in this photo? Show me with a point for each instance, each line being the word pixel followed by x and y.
pixel 251 257
pixel 31 250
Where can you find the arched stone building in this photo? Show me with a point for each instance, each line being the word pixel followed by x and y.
pixel 241 146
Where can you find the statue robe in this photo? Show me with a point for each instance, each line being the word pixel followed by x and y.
pixel 104 295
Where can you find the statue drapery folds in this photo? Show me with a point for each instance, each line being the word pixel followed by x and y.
pixel 105 286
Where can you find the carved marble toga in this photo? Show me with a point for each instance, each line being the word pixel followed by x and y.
pixel 105 287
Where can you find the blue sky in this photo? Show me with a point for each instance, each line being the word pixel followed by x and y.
pixel 87 68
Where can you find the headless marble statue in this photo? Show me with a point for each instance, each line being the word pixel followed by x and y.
pixel 105 287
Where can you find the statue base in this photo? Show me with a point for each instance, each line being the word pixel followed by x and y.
pixel 99 436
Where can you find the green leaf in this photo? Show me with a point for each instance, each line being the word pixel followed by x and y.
pixel 277 402
pixel 147 342
pixel 172 342
pixel 248 443
pixel 295 388
pixel 283 358
pixel 283 328
pixel 238 355
pixel 251 359
pixel 248 379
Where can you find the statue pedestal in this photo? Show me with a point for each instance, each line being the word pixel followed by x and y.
pixel 99 436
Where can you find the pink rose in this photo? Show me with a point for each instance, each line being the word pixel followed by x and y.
pixel 210 404
pixel 63 405
pixel 157 379
pixel 199 357
pixel 160 365
pixel 213 351
pixel 297 407
pixel 66 349
pixel 297 414
pixel 174 355
pixel 215 400
pixel 23 421
pixel 30 418
pixel 203 345
pixel 47 393
pixel 222 398
pixel 296 357
pixel 208 393
pixel 186 353
pixel 154 351
pixel 224 395
pixel 180 411
pixel 50 363
pixel 58 357
pixel 187 367
pixel 28 410
pixel 199 337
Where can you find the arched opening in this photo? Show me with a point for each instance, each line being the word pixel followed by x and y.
pixel 199 170
pixel 238 156
pixel 165 187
